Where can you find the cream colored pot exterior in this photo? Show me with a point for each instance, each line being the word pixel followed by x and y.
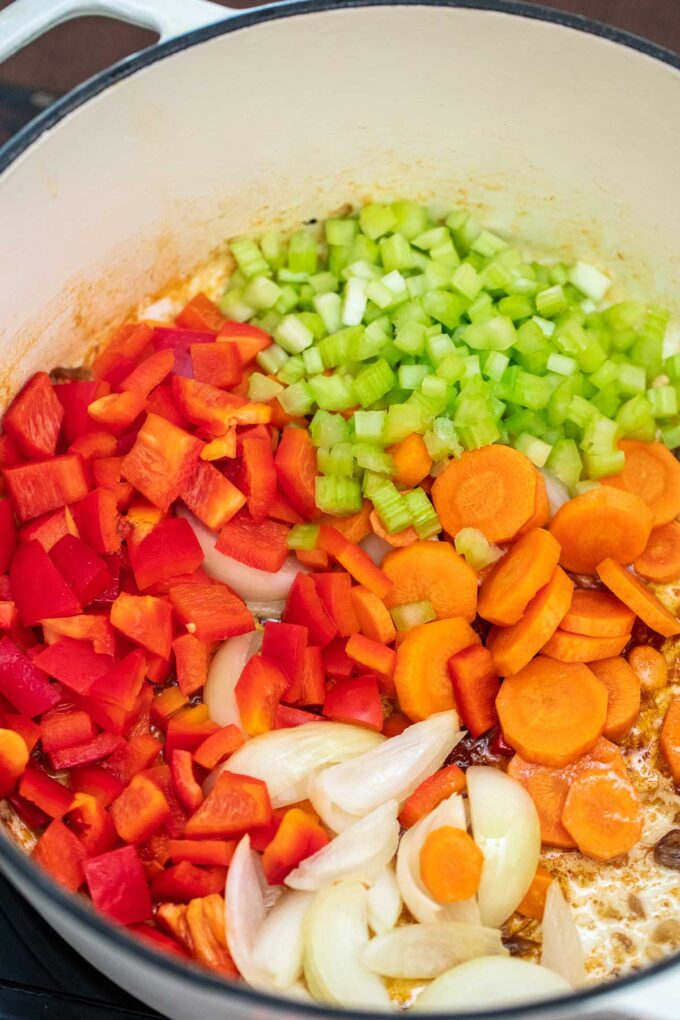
pixel 559 137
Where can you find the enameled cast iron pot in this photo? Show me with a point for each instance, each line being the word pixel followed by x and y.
pixel 561 131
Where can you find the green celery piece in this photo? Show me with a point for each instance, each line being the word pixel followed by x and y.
pixel 336 495
pixel 373 382
pixel 497 334
pixel 303 536
pixel 376 220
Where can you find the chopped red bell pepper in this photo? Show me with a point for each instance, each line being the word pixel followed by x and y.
pixel 221 447
pixel 299 836
pixel 30 815
pixel 92 824
pixel 218 746
pixel 29 731
pixel 165 704
pixel 75 398
pixel 74 663
pixel 98 521
pixel 475 688
pixel 185 882
pixel 215 852
pixel 96 782
pixel 179 341
pixel 8 535
pixel 314 682
pixel 173 826
pixel 258 691
pixel 285 644
pixel 118 886
pixel 205 405
pixel 211 496
pixel 142 517
pixel 146 620
pixel 262 544
pixel 106 475
pixel 201 313
pixel 259 475
pixel 262 835
pixel 140 810
pixel 287 717
pixel 162 460
pixel 159 939
pixel 117 411
pixel 133 757
pixel 249 340
pixel 336 662
pixel 87 627
pixel 119 356
pixel 61 854
pixel 107 598
pixel 163 404
pixel 188 728
pixel 158 669
pixel 283 511
pixel 189 793
pixel 211 611
pixel 86 754
pixel 192 658
pixel 94 446
pixel 45 792
pixel 296 470
pixel 499 746
pixel 216 363
pixel 33 419
pixel 84 571
pixel 371 654
pixel 306 608
pixel 355 561
pixel 235 804
pixel 149 373
pixel 37 488
pixel 49 528
pixel 65 727
pixel 23 683
pixel 335 591
pixel 123 682
pixel 355 701
pixel 9 615
pixel 171 548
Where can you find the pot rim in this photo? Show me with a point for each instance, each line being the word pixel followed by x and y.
pixel 78 908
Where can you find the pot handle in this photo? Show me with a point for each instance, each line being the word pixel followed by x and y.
pixel 25 20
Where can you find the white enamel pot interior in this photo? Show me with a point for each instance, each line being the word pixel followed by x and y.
pixel 558 132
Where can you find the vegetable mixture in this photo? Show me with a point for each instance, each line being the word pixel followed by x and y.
pixel 331 612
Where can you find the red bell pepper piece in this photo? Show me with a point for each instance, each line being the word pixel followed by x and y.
pixel 355 701
pixel 185 882
pixel 149 373
pixel 133 757
pixel 163 405
pixel 146 620
pixel 258 691
pixel 173 827
pixel 92 824
pixel 287 717
pixel 211 611
pixel 84 571
pixel 171 548
pixel 211 497
pixel 30 815
pixel 218 746
pixel 117 411
pixel 189 793
pixel 218 364
pixel 94 446
pixel 60 853
pixel 216 410
pixel 140 810
pixel 107 598
pixel 306 608
pixel 33 419
pixel 106 475
pixel 285 644
pixel 122 684
pixel 296 470
pixel 259 475
pixel 98 521
pixel 262 835
pixel 215 852
pixel 335 591
pixel 74 663
pixel 9 616
pixel 475 688
pixel 192 658
pixel 283 511
pixel 29 731
pixel 49 528
pixel 262 544
pixel 235 804
pixel 201 313
pixel 13 759
pixel 119 356
pixel 221 447
pixel 47 485
pixel 10 454
pixel 336 662
pixel 355 561
pixel 162 460
pixel 179 341
pixel 23 683
pixel 165 704
pixel 249 340
pixel 65 727
pixel 187 729
pixel 299 836
pixel 75 398
pixel 86 754
pixel 431 792
pixel 118 887
pixel 371 654
pixel 499 746
pixel 96 782
pixel 92 627
pixel 45 792
pixel 157 669
pixel 314 682
pixel 8 535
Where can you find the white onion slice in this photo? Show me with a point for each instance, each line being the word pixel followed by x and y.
pixel 427 950
pixel 384 901
pixel 562 947
pixel 416 897
pixel 277 950
pixel 287 759
pixel 490 981
pixel 336 934
pixel 505 826
pixel 225 670
pixel 393 770
pixel 556 490
pixel 360 852
pixel 376 548
pixel 244 912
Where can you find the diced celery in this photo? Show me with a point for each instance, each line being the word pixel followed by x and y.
pixel 483 433
pixel 444 307
pixel 589 280
pixel 329 306
pixel 434 386
pixel 497 334
pixel 474 546
pixel 401 421
pixel 341 232
pixel 423 515
pixel 439 346
pixel 293 335
pixel 579 411
pixel 261 389
pixel 599 435
pixel 272 248
pixel 391 507
pixel 565 462
pixel 328 429
pixel 373 458
pixel 261 293
pixel 396 252
pixel 233 305
pixel 412 614
pixel 411 338
pixel 369 425
pixel 587 485
pixel 249 258
pixel 333 392
pixel 632 379
pixel 607 373
pixel 487 244
pixel 293 371
pixel 303 536
pixel 297 399
pixel 636 420
pixel 607 400
pixel 561 364
pixel 376 220
pixel 670 434
pixel 411 376
pixel 339 460
pixel 335 495
pixel 271 359
pixel 313 361
pixel 601 465
pixel 467 281
pixel 373 382
pixel 515 307
pixel 535 449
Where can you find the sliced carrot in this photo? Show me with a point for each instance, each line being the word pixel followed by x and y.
pixel 661 559
pixel 548 787
pixel 597 614
pixel 552 712
pixel 373 616
pixel 603 523
pixel 355 561
pixel 623 688
pixel 315 559
pixel 569 647
pixel 492 489
pixel 451 864
pixel 541 514
pixel 421 676
pixel 13 759
pixel 652 473
pixel 433 572
pixel 533 904
pixel 412 462
pixel 375 657
pixel 398 539
pixel 637 597
pixel 513 647
pixel 650 667
pixel 603 814
pixel 354 528
pixel 670 739
pixel 431 792
pixel 510 585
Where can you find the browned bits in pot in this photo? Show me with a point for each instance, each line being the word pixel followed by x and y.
pixel 636 907
pixel 650 666
pixel 667 932
pixel 667 850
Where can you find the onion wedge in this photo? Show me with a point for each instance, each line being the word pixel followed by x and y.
pixel 428 950
pixel 244 912
pixel 487 982
pixel 277 950
pixel 562 947
pixel 225 670
pixel 384 901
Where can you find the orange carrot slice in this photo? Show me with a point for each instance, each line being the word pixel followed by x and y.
pixel 597 614
pixel 421 676
pixel 552 712
pixel 513 647
pixel 431 792
pixel 541 514
pixel 600 524
pixel 569 647
pixel 451 864
pixel 412 462
pixel 533 904
pixel 652 473
pixel 433 572
pixel 492 489
pixel 637 597
pixel 398 539
pixel 354 528
pixel 623 688
pixel 374 618
pixel 661 559
pixel 603 814
pixel 670 739
pixel 649 666
pixel 509 586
